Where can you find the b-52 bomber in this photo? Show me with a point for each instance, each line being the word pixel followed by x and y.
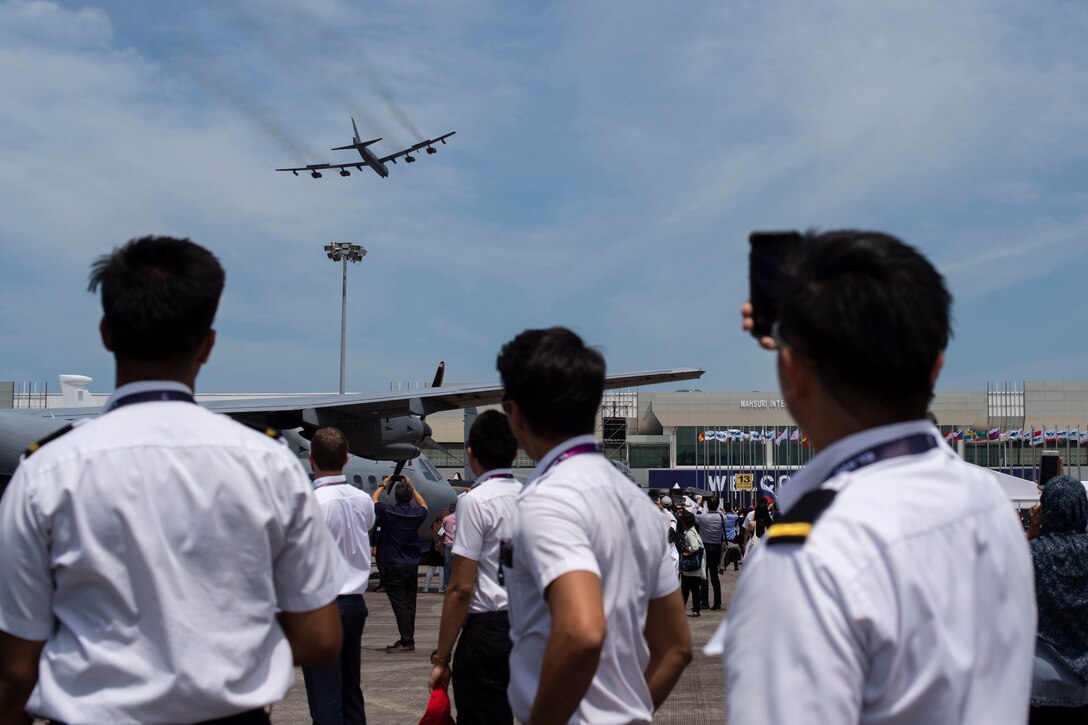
pixel 369 158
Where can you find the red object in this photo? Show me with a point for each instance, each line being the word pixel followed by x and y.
pixel 438 709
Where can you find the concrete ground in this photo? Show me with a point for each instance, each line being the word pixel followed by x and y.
pixel 395 685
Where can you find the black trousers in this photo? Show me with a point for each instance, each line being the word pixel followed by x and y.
pixel 481 670
pixel 693 585
pixel 333 692
pixel 713 558
pixel 401 581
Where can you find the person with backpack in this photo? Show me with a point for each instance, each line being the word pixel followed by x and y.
pixel 692 561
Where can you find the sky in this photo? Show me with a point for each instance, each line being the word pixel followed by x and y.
pixel 610 160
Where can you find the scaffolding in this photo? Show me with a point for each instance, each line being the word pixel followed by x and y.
pixel 617 407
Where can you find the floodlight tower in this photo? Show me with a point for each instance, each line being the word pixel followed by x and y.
pixel 344 252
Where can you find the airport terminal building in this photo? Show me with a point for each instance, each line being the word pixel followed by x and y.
pixel 735 442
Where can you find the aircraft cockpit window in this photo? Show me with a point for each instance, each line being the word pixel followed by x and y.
pixel 429 471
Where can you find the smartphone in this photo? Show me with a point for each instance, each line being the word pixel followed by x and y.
pixel 767 259
pixel 1048 466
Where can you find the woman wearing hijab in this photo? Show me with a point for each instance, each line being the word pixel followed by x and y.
pixel 1059 547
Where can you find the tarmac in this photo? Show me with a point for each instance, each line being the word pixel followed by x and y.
pixel 395 685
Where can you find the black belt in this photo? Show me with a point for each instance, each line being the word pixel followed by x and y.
pixel 250 717
pixel 484 617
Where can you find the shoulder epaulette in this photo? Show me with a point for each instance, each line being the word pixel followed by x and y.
pixel 33 447
pixel 273 433
pixel 794 527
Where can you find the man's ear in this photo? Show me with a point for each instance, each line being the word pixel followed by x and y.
pixel 795 375
pixel 204 350
pixel 105 333
pixel 936 371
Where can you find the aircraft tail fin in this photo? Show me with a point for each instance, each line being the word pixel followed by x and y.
pixel 355 128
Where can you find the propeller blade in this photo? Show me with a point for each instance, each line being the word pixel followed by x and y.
pixel 439 374
pixel 432 443
pixel 399 468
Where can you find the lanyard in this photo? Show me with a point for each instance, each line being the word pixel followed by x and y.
pixel 908 446
pixel 571 453
pixel 330 483
pixel 149 396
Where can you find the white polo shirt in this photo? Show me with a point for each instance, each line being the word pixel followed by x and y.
pixel 485 516
pixel 910 602
pixel 349 514
pixel 150 549
pixel 583 515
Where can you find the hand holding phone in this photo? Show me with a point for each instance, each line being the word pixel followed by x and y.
pixel 1050 465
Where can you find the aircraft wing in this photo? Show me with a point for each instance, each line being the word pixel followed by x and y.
pixel 417 147
pixel 318 167
pixel 278 411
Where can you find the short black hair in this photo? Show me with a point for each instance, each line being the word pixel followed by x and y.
pixel 402 493
pixel 491 440
pixel 872 314
pixel 159 297
pixel 555 379
pixel 712 503
pixel 329 447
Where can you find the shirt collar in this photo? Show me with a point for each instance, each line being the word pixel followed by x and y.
pixel 147 386
pixel 820 467
pixel 494 473
pixel 327 481
pixel 554 453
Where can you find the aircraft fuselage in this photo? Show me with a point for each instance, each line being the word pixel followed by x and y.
pixel 373 161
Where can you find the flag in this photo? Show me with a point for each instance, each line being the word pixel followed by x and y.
pixel 1005 436
pixel 993 434
pixel 755 435
pixel 795 435
pixel 804 441
pixel 1062 435
pixel 733 435
pixel 1083 440
pixel 949 436
pixel 1050 436
pixel 1014 435
pixel 1036 438
pixel 702 436
pixel 958 435
pixel 781 436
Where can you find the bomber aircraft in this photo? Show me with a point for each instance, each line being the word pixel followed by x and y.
pixel 369 158
pixel 388 429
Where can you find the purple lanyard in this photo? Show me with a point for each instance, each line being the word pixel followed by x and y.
pixel 571 453
pixel 150 396
pixel 331 483
pixel 908 446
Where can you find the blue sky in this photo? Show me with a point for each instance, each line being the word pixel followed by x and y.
pixel 609 162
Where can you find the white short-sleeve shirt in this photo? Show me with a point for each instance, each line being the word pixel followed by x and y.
pixel 349 514
pixel 581 514
pixel 485 516
pixel 150 549
pixel 909 602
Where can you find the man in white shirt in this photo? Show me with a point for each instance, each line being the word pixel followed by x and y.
pixel 476 603
pixel 160 563
pixel 892 590
pixel 596 617
pixel 334 692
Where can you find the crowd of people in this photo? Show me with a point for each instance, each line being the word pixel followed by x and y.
pixel 164 564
